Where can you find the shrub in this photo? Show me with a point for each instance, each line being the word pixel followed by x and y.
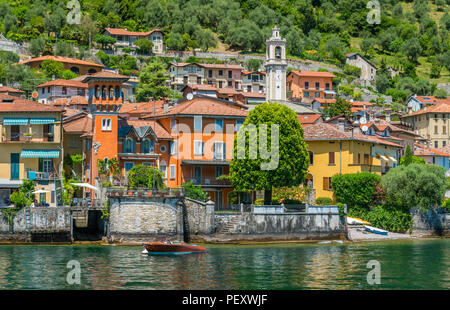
pixel 385 217
pixel 415 185
pixel 194 191
pixel 446 205
pixel 259 202
pixel 355 189
pixel 19 199
pixel 142 176
pixel 352 70
pixel 323 201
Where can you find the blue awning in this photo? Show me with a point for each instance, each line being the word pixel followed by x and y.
pixel 39 154
pixel 15 121
pixel 42 121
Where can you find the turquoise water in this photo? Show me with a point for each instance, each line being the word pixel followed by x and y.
pixel 417 264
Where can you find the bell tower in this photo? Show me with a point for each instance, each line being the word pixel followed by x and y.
pixel 276 66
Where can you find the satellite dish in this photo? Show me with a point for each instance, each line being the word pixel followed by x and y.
pixel 363 120
pixel 364 128
pixel 189 96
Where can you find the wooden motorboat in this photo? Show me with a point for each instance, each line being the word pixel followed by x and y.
pixel 375 230
pixel 172 248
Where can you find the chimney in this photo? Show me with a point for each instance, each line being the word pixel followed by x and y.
pixel 341 123
pixel 356 130
pixel 388 116
pixel 125 28
pixel 166 108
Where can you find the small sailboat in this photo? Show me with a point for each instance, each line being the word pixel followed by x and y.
pixel 375 230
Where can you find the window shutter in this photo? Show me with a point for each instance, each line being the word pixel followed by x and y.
pixel 134 146
pixel 203 148
pixel 214 150
pixel 41 164
pixel 224 150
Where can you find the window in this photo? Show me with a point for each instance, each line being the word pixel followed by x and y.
pixel 239 123
pixel 64 90
pixel 43 90
pixel 230 74
pixel 331 158
pixel 47 165
pixel 219 171
pixel 197 175
pixel 327 86
pixel 106 124
pixel 220 84
pixel 128 167
pixel 74 142
pixel 434 160
pixel 199 148
pixel 311 158
pixel 198 123
pixel 278 52
pixel 317 94
pixel 359 158
pixel 327 183
pixel 172 171
pixel 88 145
pixel 366 159
pixel 128 146
pixel 306 85
pixel 172 123
pixel 230 84
pixel 219 125
pixel 163 169
pixel 436 144
pixel 220 72
pixel 173 147
pixel 210 73
pixel 444 143
pixel 444 129
pixel 317 85
pixel 435 129
pixel 219 150
pixel 147 146
pixel 199 80
pixel 306 94
pixel 236 85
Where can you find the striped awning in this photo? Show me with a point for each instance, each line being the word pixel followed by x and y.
pixel 39 154
pixel 42 121
pixel 15 121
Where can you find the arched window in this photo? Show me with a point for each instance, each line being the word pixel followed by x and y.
pixel 92 71
pixel 97 91
pixel 103 92
pixel 111 92
pixel 75 70
pixel 117 92
pixel 129 146
pixel 278 52
pixel 147 146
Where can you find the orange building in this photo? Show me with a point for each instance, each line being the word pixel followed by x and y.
pixel 310 84
pixel 105 99
pixel 202 132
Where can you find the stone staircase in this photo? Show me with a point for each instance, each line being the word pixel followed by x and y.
pixel 230 226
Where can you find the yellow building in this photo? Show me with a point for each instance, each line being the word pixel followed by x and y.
pixel 31 148
pixel 336 149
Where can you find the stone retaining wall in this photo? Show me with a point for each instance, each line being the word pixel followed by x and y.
pixel 431 223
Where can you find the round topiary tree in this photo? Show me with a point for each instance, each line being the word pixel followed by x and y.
pixel 141 176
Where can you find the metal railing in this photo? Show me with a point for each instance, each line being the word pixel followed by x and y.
pixel 86 203
pixel 118 192
pixel 207 181
pixel 42 176
pixel 28 138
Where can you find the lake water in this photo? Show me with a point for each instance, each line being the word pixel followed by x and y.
pixel 416 264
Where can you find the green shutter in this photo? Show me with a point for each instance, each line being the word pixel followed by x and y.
pixel 41 165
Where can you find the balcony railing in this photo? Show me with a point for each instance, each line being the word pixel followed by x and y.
pixel 42 176
pixel 208 181
pixel 28 138
pixel 117 192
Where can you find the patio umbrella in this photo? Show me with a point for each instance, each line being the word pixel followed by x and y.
pixel 40 191
pixel 86 185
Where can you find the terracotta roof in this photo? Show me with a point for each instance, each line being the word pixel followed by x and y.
pixel 105 75
pixel 61 82
pixel 313 73
pixel 326 132
pixel 202 87
pixel 361 103
pixel 253 94
pixel 78 100
pixel 78 125
pixel 15 104
pixel 7 89
pixel 421 150
pixel 160 131
pixel 203 105
pixel 431 99
pixel 61 59
pixel 443 107
pixel 308 119
pixel 124 32
pixel 228 91
pixel 322 100
pixel 141 107
pixel 218 66
pixel 60 102
pixel 253 72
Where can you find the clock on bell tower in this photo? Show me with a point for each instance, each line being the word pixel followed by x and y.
pixel 276 66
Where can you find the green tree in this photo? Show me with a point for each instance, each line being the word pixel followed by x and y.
pixel 205 39
pixel 194 191
pixel 142 176
pixel 412 49
pixel 37 46
pixel 440 93
pixel 339 107
pixel 152 82
pixel 52 68
pixel 425 192
pixel 144 45
pixel 289 160
pixel 408 158
pixel 253 64
pixel 104 40
pixel 175 42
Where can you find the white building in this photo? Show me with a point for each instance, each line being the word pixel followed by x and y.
pixel 276 66
pixel 57 89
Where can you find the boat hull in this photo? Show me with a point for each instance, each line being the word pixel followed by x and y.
pixel 160 248
pixel 376 230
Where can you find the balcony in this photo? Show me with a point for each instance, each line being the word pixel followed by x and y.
pixel 41 176
pixel 208 182
pixel 27 138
